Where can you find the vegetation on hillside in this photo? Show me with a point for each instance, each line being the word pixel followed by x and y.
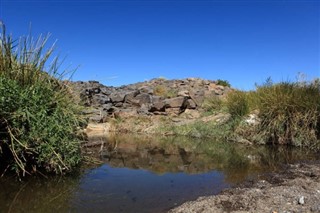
pixel 38 118
pixel 285 113
pixel 224 83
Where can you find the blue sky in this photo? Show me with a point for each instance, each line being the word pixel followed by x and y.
pixel 121 42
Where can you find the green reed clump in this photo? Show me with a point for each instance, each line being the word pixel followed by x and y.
pixel 237 103
pixel 38 118
pixel 212 104
pixel 290 112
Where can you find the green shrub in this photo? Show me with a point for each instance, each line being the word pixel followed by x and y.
pixel 290 113
pixel 161 90
pixel 237 104
pixel 224 83
pixel 38 118
pixel 212 104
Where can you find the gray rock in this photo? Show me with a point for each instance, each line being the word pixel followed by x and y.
pixel 130 97
pixel 100 99
pixel 91 111
pixel 183 93
pixel 315 208
pixel 190 104
pixel 174 102
pixel 146 89
pixel 106 107
pixel 117 97
pixel 157 104
pixel 96 90
pixel 119 104
pixel 144 109
pixel 144 99
pixel 106 91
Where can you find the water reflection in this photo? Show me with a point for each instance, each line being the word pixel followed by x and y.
pixel 192 156
pixel 109 189
pixel 37 194
pixel 142 174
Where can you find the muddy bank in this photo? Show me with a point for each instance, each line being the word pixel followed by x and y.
pixel 296 189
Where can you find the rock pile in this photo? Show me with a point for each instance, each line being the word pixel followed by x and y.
pixel 154 97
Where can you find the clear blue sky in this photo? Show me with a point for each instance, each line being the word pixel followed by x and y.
pixel 121 42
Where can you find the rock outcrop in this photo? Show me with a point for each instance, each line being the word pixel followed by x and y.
pixel 154 97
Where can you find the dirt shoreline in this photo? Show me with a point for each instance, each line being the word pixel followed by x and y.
pixel 295 189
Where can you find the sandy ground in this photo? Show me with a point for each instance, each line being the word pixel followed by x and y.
pixel 295 189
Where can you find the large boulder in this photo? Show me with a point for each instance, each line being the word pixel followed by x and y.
pixel 100 99
pixel 190 104
pixel 157 104
pixel 174 102
pixel 117 97
pixel 130 97
pixel 143 99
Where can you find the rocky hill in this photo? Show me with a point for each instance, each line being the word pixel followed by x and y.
pixel 155 97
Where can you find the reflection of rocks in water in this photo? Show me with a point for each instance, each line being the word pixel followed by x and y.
pixel 171 155
pixel 185 156
pixel 154 158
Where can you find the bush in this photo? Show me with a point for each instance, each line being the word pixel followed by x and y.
pixel 38 117
pixel 212 104
pixel 290 113
pixel 237 104
pixel 223 83
pixel 161 90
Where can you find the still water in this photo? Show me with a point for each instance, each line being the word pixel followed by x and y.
pixel 141 174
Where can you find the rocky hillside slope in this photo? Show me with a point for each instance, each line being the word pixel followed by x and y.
pixel 155 97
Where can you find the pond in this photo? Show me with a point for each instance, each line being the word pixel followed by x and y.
pixel 146 174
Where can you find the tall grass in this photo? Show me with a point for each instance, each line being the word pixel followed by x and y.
pixel 290 112
pixel 38 117
pixel 237 103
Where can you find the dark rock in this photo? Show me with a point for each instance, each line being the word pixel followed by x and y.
pixel 100 99
pixel 93 82
pixel 106 107
pixel 157 106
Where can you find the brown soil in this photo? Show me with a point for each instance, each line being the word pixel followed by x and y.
pixel 295 189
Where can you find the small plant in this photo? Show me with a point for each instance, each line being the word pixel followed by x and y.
pixel 161 90
pixel 224 83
